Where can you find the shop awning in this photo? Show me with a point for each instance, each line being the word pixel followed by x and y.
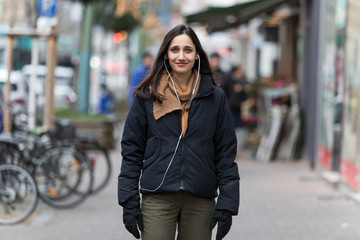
pixel 218 18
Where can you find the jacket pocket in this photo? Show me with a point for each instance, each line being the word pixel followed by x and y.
pixel 210 148
pixel 151 146
pixel 152 150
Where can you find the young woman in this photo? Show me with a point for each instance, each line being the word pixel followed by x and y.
pixel 178 148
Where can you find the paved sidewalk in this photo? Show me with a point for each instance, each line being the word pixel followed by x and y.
pixel 283 201
pixel 279 201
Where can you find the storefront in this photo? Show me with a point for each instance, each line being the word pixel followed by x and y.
pixel 327 76
pixel 339 136
pixel 331 82
pixel 282 27
pixel 350 154
pixel 338 145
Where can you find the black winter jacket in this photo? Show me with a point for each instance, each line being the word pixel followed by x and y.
pixel 204 160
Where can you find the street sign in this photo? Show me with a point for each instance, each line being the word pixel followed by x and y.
pixel 47 8
pixel 47 19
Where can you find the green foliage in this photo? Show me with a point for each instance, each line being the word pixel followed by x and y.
pixel 88 1
pixel 105 16
pixel 73 115
pixel 127 23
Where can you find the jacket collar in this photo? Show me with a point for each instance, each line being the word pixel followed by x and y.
pixel 206 85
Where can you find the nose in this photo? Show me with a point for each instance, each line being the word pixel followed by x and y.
pixel 181 55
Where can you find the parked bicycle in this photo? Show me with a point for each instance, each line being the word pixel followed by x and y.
pixel 88 145
pixel 64 177
pixel 67 167
pixel 18 194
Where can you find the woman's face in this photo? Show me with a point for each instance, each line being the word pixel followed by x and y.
pixel 182 54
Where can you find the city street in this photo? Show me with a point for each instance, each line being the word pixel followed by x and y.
pixel 295 85
pixel 279 201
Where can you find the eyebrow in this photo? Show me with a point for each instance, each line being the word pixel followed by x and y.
pixel 184 47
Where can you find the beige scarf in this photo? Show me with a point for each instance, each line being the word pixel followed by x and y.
pixel 170 102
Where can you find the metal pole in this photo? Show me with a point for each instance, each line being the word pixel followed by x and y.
pixel 7 116
pixel 311 86
pixel 84 69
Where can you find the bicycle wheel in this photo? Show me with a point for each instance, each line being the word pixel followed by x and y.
pixel 18 194
pixel 100 161
pixel 64 177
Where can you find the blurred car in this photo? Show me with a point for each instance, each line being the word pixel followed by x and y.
pixel 19 90
pixel 64 95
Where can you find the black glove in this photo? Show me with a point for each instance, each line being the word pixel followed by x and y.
pixel 224 220
pixel 132 218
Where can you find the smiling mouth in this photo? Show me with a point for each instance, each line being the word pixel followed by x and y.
pixel 181 64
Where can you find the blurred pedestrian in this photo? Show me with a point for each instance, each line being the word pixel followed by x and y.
pixel 178 148
pixel 236 88
pixel 107 100
pixel 215 61
pixel 140 73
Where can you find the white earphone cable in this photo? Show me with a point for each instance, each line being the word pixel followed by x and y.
pixel 182 128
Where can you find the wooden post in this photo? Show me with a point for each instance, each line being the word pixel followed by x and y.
pixel 7 115
pixel 51 62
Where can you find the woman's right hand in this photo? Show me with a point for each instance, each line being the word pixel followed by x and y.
pixel 133 221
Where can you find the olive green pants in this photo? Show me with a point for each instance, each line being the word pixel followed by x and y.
pixel 165 214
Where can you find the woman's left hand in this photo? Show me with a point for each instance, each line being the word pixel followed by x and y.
pixel 224 220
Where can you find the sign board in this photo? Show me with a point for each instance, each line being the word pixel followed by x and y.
pixel 47 8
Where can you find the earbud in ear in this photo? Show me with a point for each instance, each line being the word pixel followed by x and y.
pixel 197 56
pixel 166 57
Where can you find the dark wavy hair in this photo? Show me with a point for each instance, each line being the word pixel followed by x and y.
pixel 152 81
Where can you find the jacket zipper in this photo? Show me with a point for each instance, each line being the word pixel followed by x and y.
pixel 182 158
pixel 182 174
pixel 183 143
